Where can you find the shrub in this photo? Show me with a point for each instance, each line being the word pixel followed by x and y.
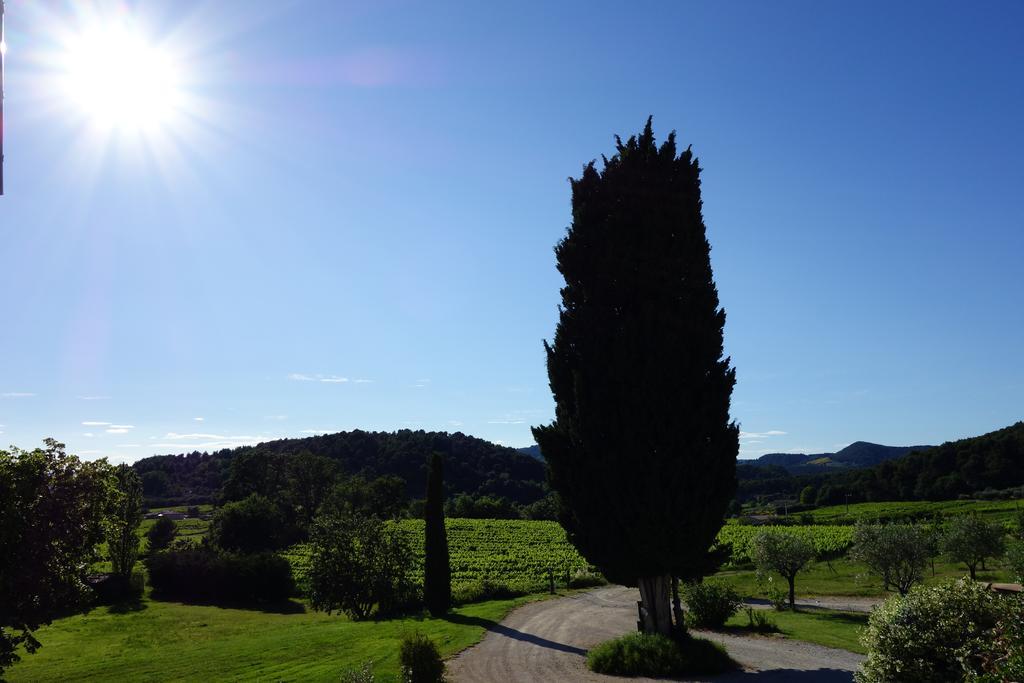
pixel 114 588
pixel 420 660
pixel 710 604
pixel 486 589
pixel 357 562
pixel 654 655
pixel 936 633
pixel 1004 660
pixel 1015 558
pixel 251 525
pixel 586 580
pixel 363 674
pixel 759 621
pixel 161 534
pixel 206 575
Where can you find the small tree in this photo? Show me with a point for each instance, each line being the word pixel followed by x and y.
pixel 123 522
pixel 161 534
pixel 437 574
pixel 783 552
pixel 808 495
pixel 356 562
pixel 897 553
pixel 251 525
pixel 52 509
pixel 1015 558
pixel 971 540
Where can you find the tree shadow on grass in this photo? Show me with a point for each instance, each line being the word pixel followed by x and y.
pixel 783 676
pixel 127 606
pixel 280 607
pixel 495 627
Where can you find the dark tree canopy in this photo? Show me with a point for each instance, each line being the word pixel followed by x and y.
pixel 52 513
pixel 437 573
pixel 642 451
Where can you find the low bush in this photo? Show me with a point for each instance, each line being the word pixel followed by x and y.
pixel 759 621
pixel 206 575
pixel 486 589
pixel 644 654
pixel 710 604
pixel 161 535
pixel 1015 558
pixel 363 674
pixel 420 660
pixel 935 633
pixel 113 588
pixel 586 580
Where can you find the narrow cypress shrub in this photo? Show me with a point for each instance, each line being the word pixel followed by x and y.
pixel 437 574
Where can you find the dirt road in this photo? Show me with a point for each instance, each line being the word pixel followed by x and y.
pixel 548 641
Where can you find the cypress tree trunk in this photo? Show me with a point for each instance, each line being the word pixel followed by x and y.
pixel 437 575
pixel 654 594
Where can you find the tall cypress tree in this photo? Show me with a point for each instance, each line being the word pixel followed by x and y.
pixel 642 451
pixel 437 573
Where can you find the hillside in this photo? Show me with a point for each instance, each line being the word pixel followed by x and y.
pixel 857 455
pixel 472 465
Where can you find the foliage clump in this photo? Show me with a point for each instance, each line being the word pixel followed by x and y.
pixel 252 525
pixel 655 655
pixel 948 632
pixel 161 534
pixel 123 519
pixel 420 660
pixel 709 604
pixel 359 562
pixel 207 575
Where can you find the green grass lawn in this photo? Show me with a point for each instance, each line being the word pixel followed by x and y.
pixel 167 641
pixel 824 627
pixel 851 578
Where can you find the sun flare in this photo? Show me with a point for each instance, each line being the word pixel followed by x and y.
pixel 119 80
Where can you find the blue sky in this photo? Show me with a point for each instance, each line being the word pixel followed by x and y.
pixel 350 222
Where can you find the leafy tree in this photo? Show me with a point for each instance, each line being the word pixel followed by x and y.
pixel 465 506
pixel 897 553
pixel 258 472
pixel 808 495
pixel 52 514
pixel 783 552
pixel 161 534
pixel 251 525
pixel 356 562
pixel 642 452
pixel 437 573
pixel 155 483
pixel 124 520
pixel 971 540
pixel 383 497
pixel 1015 558
pixel 309 479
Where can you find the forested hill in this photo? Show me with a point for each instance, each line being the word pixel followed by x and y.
pixel 977 466
pixel 471 465
pixel 856 455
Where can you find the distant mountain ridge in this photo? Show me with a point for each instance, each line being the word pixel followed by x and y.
pixel 857 455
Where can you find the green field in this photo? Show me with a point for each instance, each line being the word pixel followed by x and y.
pixel 517 553
pixel 825 627
pixel 167 641
pixel 1001 510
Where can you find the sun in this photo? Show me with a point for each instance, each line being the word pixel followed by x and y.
pixel 121 80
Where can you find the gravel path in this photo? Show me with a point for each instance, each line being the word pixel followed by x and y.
pixel 548 641
pixel 836 602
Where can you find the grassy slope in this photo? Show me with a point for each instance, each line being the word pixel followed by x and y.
pixel 165 641
pixel 825 627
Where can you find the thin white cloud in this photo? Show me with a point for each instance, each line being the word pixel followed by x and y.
pixel 93 398
pixel 17 394
pixel 334 380
pixel 117 430
pixel 91 423
pixel 88 434
pixel 122 426
pixel 299 377
pixel 362 381
pixel 199 419
pixel 761 435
